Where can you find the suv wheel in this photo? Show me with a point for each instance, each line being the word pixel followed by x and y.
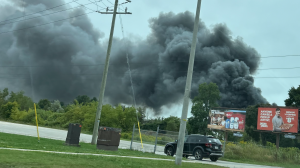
pixel 213 158
pixel 198 154
pixel 170 151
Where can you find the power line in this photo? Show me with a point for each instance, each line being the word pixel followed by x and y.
pixel 48 14
pixel 85 6
pixel 136 78
pixel 277 77
pixel 97 4
pixel 45 23
pixel 37 12
pixel 37 66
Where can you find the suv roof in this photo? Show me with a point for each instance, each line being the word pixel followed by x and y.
pixel 208 136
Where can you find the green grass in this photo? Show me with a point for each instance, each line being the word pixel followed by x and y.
pixel 27 142
pixel 249 161
pixel 38 159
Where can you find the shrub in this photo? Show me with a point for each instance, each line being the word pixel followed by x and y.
pixel 126 135
pixel 18 115
pixel 7 109
pixel 30 118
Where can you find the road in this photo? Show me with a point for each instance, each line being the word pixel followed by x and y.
pixel 29 130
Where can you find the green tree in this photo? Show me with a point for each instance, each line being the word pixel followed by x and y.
pixel 24 102
pixel 7 109
pixel 294 97
pixel 94 99
pixel 141 114
pixel 208 95
pixel 83 99
pixel 127 118
pixel 171 126
pixel 3 95
pixel 173 120
pixel 198 121
pixel 56 107
pixel 44 104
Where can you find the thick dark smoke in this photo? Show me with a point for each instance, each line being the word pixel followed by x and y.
pixel 64 59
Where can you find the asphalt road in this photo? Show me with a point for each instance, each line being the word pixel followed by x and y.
pixel 50 133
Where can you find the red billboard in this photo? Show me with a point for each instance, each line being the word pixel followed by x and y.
pixel 227 119
pixel 277 119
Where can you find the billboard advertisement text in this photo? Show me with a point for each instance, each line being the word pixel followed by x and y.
pixel 277 119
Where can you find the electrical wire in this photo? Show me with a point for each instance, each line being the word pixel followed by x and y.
pixel 85 7
pixel 48 14
pixel 37 12
pixel 17 66
pixel 138 79
pixel 45 23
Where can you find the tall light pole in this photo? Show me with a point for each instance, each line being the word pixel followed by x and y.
pixel 187 91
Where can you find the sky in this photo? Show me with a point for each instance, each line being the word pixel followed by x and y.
pixel 269 26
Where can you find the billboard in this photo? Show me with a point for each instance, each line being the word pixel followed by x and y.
pixel 277 119
pixel 227 119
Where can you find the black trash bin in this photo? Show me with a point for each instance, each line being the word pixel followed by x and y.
pixel 73 135
pixel 108 138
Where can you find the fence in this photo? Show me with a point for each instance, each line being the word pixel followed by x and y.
pixel 153 141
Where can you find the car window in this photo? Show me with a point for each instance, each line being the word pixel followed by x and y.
pixel 211 140
pixel 194 139
pixel 185 138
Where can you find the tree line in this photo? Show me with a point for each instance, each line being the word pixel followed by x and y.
pixel 18 107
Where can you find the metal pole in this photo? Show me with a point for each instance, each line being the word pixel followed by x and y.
pixel 277 140
pixel 156 139
pixel 104 77
pixel 132 136
pixel 225 139
pixel 183 120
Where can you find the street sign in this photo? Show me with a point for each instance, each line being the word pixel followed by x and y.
pixel 238 134
pixel 289 136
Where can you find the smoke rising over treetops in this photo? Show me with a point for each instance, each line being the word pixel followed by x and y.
pixel 62 60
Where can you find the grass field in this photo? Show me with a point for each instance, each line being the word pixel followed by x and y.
pixel 247 153
pixel 38 159
pixel 27 142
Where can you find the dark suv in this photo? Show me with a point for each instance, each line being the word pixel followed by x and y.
pixel 198 146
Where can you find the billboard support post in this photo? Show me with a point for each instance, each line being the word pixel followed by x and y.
pixel 225 139
pixel 277 140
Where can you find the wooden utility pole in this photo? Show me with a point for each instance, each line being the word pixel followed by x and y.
pixel 187 91
pixel 104 77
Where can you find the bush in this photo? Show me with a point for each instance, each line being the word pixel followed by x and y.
pixel 30 118
pixel 252 151
pixel 54 119
pixel 6 110
pixel 18 115
pixel 126 135
pixel 44 114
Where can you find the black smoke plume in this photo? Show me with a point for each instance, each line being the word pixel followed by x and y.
pixel 65 59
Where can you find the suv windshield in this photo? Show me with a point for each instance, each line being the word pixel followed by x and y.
pixel 214 140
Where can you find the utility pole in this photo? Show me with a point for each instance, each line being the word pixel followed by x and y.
pixel 104 77
pixel 186 99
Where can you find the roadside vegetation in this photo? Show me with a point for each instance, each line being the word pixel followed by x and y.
pixel 255 147
pixel 38 159
pixel 251 152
